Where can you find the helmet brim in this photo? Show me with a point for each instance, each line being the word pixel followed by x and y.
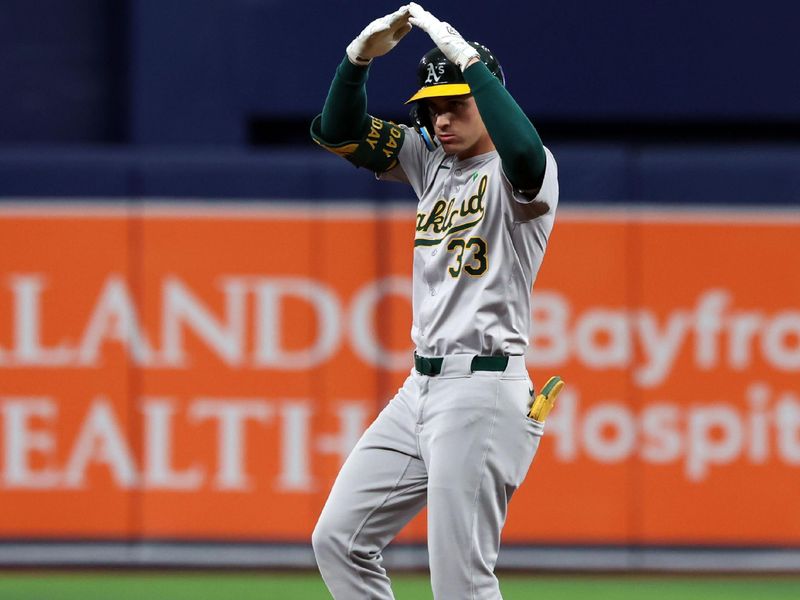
pixel 436 91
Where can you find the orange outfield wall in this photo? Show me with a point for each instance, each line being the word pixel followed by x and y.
pixel 189 372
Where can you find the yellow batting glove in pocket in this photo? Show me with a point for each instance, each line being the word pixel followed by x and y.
pixel 546 399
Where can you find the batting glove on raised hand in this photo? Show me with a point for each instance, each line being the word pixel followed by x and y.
pixel 453 46
pixel 379 37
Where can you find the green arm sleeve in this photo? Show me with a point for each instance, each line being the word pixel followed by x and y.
pixel 345 128
pixel 514 136
pixel 344 116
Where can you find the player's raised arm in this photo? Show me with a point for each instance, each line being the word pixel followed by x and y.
pixel 514 136
pixel 344 127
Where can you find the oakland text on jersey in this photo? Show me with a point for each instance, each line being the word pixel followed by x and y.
pixel 445 219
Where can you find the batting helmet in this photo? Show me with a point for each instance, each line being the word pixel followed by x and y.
pixel 439 77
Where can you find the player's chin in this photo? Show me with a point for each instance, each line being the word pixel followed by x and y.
pixel 450 145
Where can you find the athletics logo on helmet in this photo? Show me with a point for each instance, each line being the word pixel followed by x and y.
pixel 435 73
pixel 437 76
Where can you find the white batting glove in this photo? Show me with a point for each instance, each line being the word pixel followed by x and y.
pixel 449 41
pixel 379 37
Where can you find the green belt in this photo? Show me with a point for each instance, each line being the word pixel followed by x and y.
pixel 433 366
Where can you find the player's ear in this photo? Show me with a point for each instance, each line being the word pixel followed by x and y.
pixel 421 121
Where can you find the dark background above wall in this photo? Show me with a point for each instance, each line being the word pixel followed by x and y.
pixel 239 72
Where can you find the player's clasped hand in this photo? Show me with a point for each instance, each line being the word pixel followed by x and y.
pixel 444 35
pixel 379 37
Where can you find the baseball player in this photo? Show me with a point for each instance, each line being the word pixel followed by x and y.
pixel 461 433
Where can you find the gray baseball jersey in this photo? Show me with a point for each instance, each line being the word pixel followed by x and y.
pixel 477 250
pixel 459 441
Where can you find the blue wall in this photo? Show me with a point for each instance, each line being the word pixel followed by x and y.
pixel 755 176
pixel 62 68
pixel 152 98
pixel 196 71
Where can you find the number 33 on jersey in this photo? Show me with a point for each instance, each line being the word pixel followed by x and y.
pixel 477 249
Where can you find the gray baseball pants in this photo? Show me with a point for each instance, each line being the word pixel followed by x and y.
pixel 460 442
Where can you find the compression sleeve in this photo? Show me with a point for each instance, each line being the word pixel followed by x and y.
pixel 344 115
pixel 514 136
pixel 345 128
